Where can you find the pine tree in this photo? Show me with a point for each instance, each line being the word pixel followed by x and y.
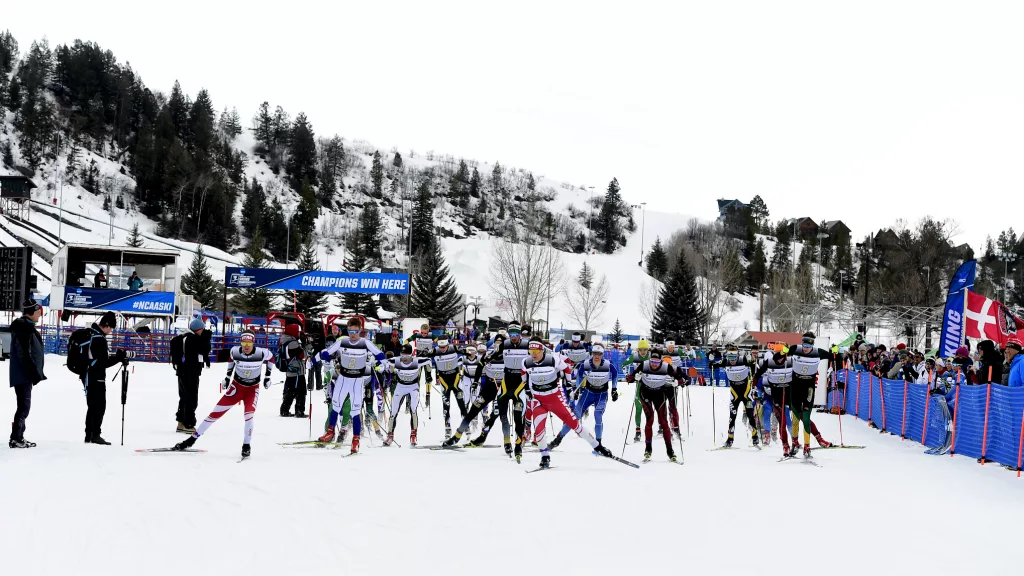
pixel 253 205
pixel 119 203
pixel 199 282
pixel 301 166
pixel 178 108
pixel 106 203
pixel 368 229
pixel 759 211
pixel 617 335
pixel 657 260
pixel 422 217
pixel 135 238
pixel 496 179
pixel 254 301
pixel 434 294
pixel 397 160
pixel 262 128
pixel 675 317
pixel 304 219
pixel 586 277
pixel 474 183
pixel 458 185
pixel 609 229
pixel 377 175
pixel 310 303
pixel 757 269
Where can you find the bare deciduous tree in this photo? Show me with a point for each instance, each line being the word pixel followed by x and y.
pixel 647 304
pixel 586 298
pixel 524 276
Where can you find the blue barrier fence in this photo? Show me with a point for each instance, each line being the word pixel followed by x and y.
pixel 987 418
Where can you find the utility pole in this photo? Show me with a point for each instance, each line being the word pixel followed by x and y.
pixel 590 222
pixel 643 227
pixel 1006 257
pixel 821 236
pixel 760 323
pixel 551 257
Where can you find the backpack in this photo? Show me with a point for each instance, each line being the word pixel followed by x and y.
pixel 280 360
pixel 177 350
pixel 78 351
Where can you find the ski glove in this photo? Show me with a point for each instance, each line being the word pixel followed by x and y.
pixel 615 394
pixel 325 356
pixel 224 386
pixel 266 381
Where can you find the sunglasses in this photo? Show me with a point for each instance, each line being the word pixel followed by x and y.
pixel 353 332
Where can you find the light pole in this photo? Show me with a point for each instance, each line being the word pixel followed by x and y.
pixel 643 227
pixel 1006 257
pixel 551 257
pixel 842 273
pixel 288 242
pixel 927 284
pixel 590 223
pixel 821 236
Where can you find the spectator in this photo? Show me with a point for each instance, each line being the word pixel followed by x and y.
pixel 196 346
pixel 991 363
pixel 962 361
pixel 99 280
pixel 295 377
pixel 95 378
pixel 393 345
pixel 1015 361
pixel 134 282
pixel 26 367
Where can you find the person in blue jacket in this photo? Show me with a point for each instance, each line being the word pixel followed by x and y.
pixel 593 376
pixel 1015 363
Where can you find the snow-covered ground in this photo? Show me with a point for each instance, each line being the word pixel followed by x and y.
pixel 70 508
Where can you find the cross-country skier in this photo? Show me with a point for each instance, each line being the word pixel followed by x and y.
pixel 240 385
pixel 512 390
pixel 472 370
pixel 352 358
pixel 667 354
pixel 447 363
pixel 577 351
pixel 490 384
pixel 371 383
pixel 406 369
pixel 737 372
pixel 634 361
pixel 806 359
pixel 423 343
pixel 778 375
pixel 542 372
pixel 593 377
pixel 657 379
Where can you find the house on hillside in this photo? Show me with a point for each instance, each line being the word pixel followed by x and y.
pixel 836 231
pixel 15 195
pixel 886 238
pixel 805 227
pixel 724 206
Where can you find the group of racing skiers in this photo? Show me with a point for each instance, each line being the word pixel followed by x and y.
pixel 519 375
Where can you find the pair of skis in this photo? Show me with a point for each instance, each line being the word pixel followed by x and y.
pixel 185 451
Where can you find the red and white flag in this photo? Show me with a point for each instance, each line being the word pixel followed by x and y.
pixel 988 319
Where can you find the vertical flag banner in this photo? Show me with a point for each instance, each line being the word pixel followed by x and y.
pixel 953 315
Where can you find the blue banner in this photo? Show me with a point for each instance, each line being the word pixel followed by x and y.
pixel 317 280
pixel 953 315
pixel 144 303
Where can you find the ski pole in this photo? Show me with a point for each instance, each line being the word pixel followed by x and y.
pixel 628 420
pixel 682 459
pixel 689 412
pixel 835 382
pixel 124 399
pixel 714 432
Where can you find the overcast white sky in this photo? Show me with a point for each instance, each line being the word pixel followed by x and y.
pixel 863 111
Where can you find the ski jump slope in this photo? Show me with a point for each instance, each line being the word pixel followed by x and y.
pixel 71 508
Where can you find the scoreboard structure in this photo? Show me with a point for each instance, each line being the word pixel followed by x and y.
pixel 16 278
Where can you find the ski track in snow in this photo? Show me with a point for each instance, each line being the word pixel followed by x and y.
pixel 84 509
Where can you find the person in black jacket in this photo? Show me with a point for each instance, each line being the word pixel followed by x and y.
pixel 26 368
pixel 991 363
pixel 95 378
pixel 196 354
